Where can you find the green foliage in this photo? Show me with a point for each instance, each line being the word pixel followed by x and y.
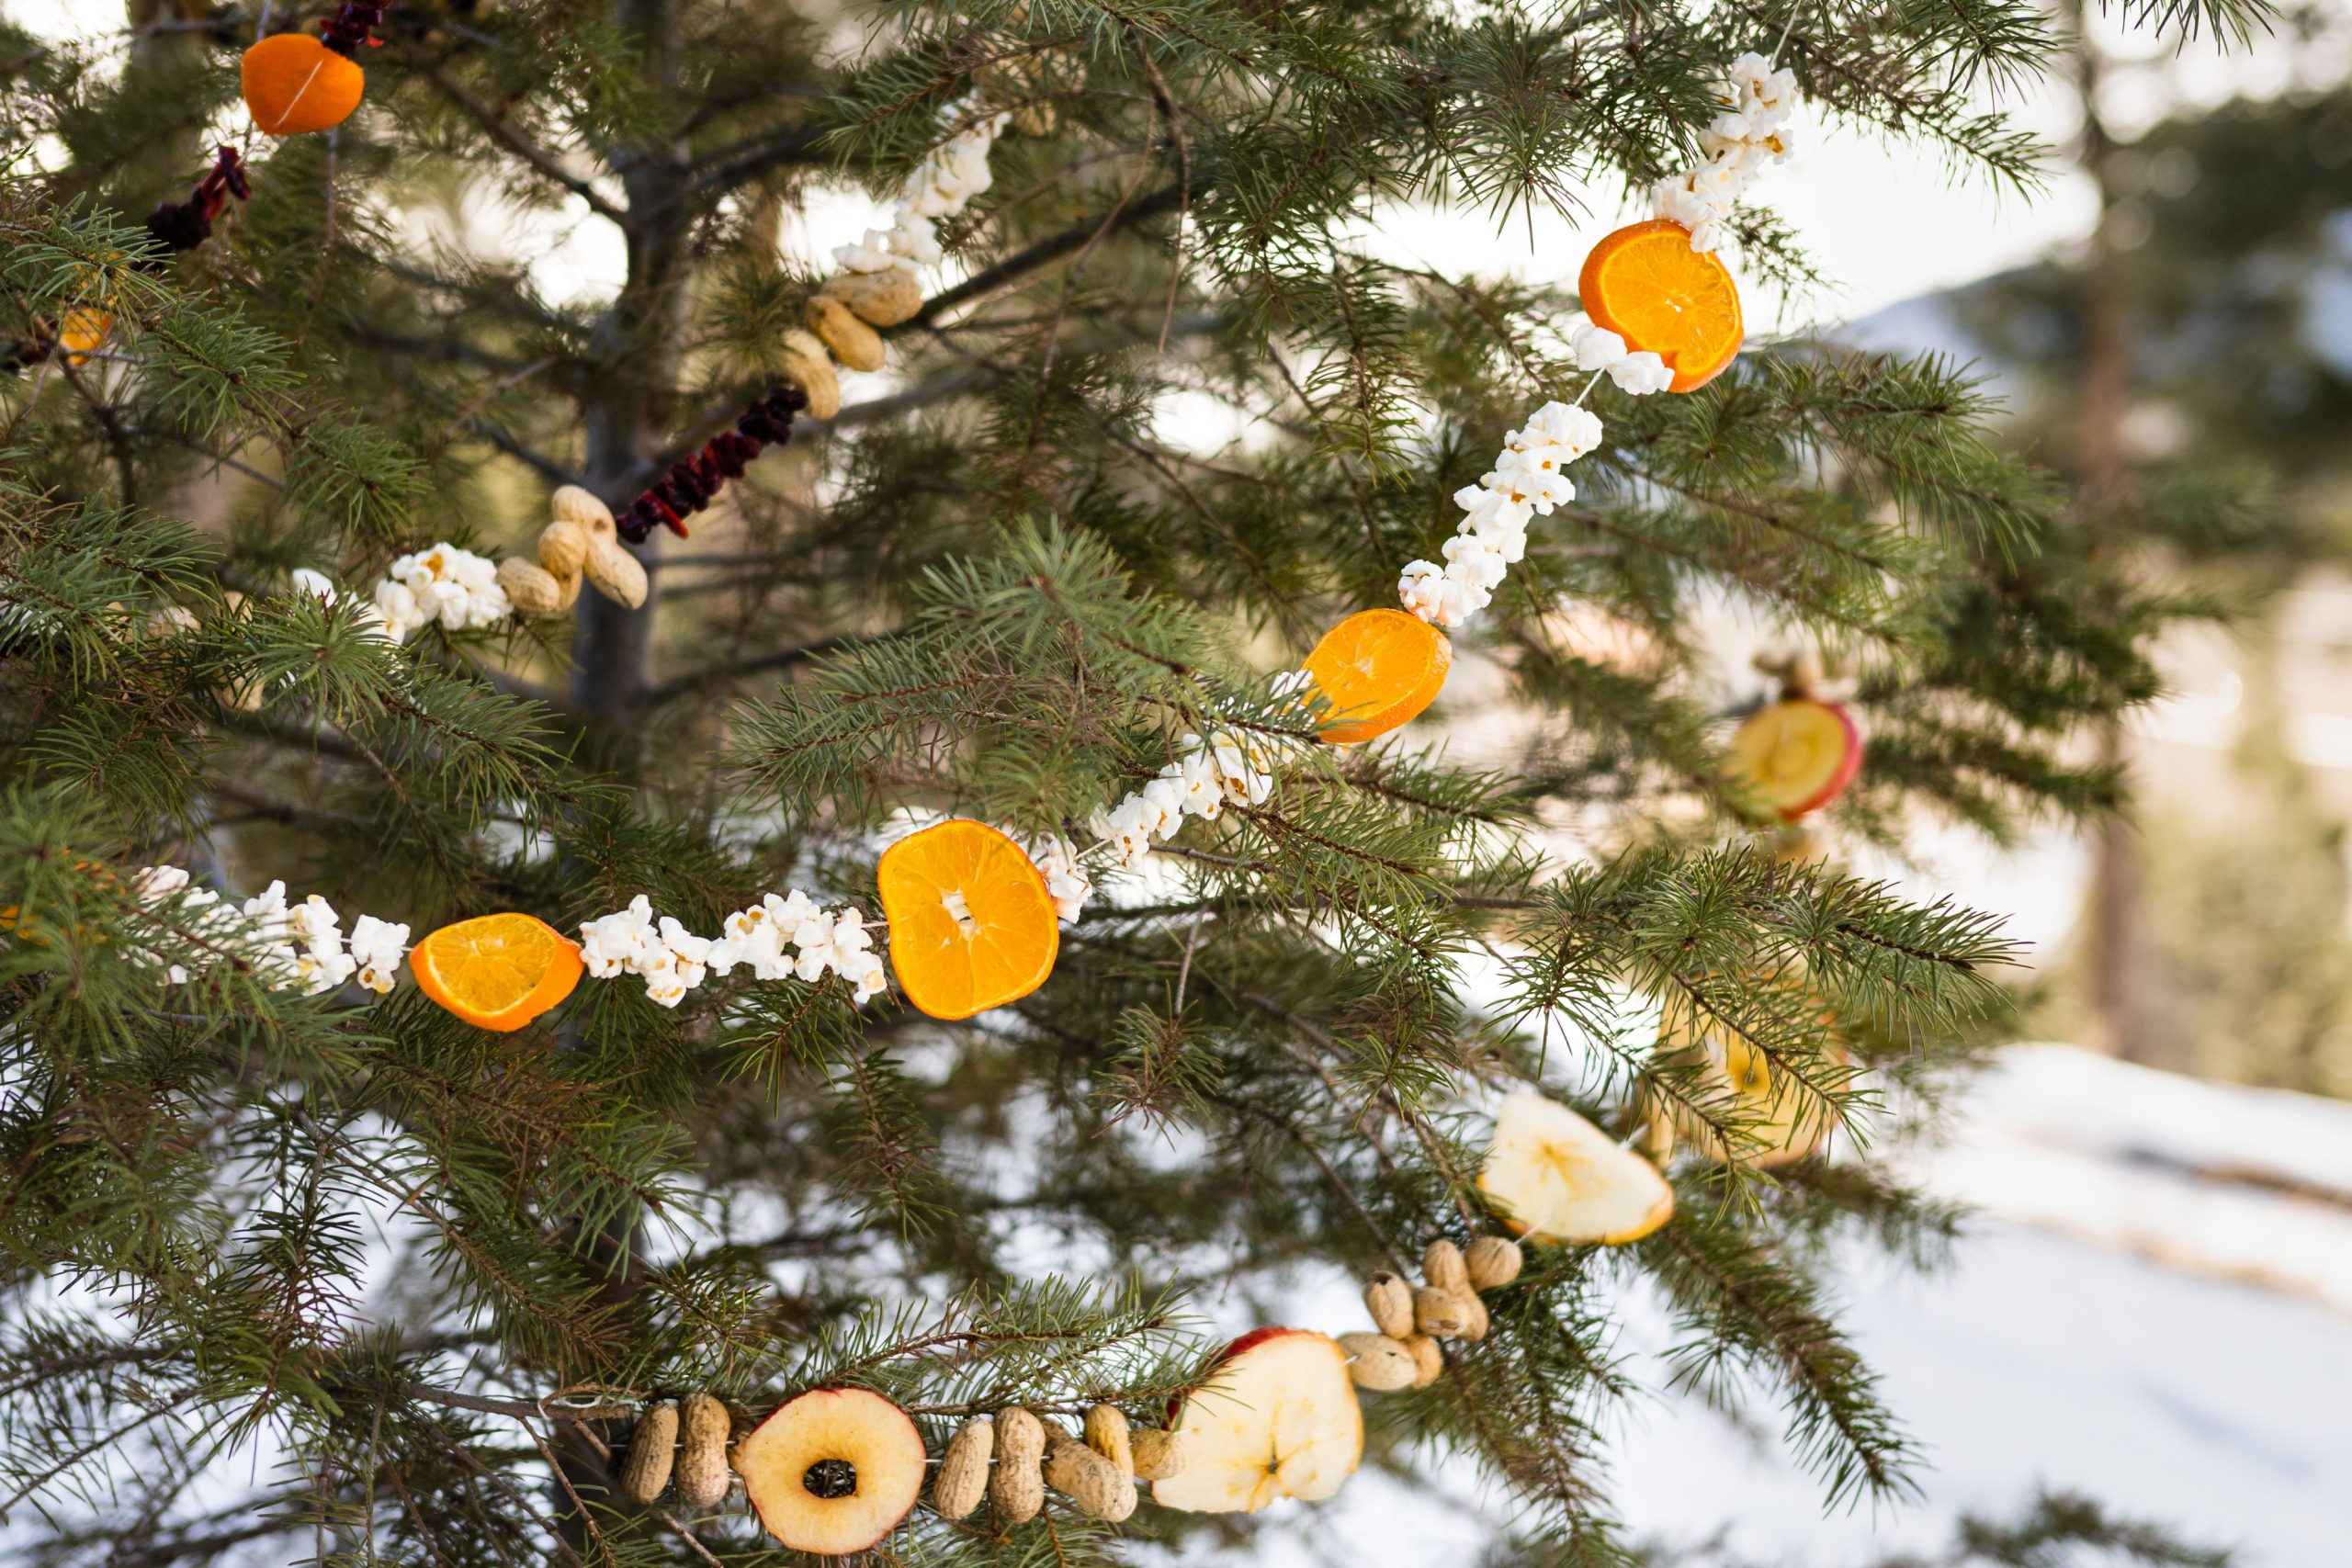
pixel 341 1275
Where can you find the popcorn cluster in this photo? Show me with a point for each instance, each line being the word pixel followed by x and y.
pixel 1202 782
pixel 1068 887
pixel 671 960
pixel 455 587
pixel 1528 479
pixel 1750 131
pixel 290 946
pixel 940 187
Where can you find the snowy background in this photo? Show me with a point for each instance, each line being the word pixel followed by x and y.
pixel 2154 1305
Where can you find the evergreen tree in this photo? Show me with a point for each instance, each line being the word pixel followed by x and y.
pixel 432 1274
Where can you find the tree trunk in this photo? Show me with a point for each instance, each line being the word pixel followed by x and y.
pixel 632 398
pixel 2115 970
pixel 627 410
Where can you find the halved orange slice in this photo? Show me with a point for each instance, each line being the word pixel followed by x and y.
pixel 293 83
pixel 497 972
pixel 971 924
pixel 1378 669
pixel 1645 284
pixel 1795 756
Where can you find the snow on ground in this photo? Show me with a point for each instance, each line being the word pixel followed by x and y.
pixel 2153 1307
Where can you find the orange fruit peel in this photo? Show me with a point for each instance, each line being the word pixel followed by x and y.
pixel 1378 669
pixel 497 972
pixel 293 83
pixel 972 926
pixel 1645 284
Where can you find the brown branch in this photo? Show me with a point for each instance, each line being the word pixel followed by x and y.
pixel 499 128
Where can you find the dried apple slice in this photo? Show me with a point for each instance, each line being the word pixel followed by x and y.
pixel 1795 756
pixel 1555 1176
pixel 1779 1123
pixel 1278 1418
pixel 833 1470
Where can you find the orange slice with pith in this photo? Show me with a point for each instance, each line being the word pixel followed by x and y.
pixel 1378 669
pixel 971 924
pixel 497 972
pixel 1645 284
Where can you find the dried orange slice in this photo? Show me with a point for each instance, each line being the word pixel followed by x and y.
pixel 971 924
pixel 293 83
pixel 83 331
pixel 497 972
pixel 1645 284
pixel 1378 669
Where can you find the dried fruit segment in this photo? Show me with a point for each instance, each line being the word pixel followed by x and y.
pixel 497 972
pixel 1795 756
pixel 1645 284
pixel 1378 669
pixel 972 926
pixel 833 1470
pixel 1558 1178
pixel 1278 1418
pixel 1779 1122
pixel 294 83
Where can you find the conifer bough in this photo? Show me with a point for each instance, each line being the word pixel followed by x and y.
pixel 998 587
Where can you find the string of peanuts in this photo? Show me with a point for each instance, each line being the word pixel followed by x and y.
pixel 1014 1456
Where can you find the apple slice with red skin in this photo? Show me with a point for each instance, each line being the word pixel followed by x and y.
pixel 833 1470
pixel 1795 755
pixel 1277 1419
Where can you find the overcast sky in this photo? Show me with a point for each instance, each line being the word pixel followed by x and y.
pixel 1884 222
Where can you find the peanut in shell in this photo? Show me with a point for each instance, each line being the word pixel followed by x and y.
pixel 1100 1488
pixel 1390 1301
pixel 705 1427
pixel 652 1452
pixel 1019 1486
pixel 1378 1363
pixel 963 1478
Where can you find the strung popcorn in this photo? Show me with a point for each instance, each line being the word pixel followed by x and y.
pixel 671 960
pixel 1204 778
pixel 1066 884
pixel 1528 479
pixel 1642 373
pixel 447 584
pixel 297 946
pixel 165 888
pixel 319 586
pixel 939 186
pixel 662 952
pixel 1748 133
pixel 302 944
pixel 378 947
